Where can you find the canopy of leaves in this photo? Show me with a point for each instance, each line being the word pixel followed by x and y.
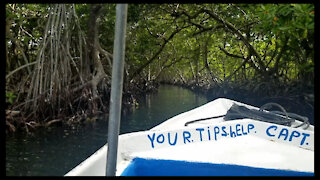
pixel 191 43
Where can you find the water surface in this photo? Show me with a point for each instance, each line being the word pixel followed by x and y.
pixel 55 151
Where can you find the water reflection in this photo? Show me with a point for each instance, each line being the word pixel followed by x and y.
pixel 56 151
pixel 148 101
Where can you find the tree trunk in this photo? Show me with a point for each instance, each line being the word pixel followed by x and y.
pixel 95 49
pixel 205 60
pixel 198 54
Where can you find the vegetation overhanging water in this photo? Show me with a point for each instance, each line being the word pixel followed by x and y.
pixel 57 150
pixel 59 59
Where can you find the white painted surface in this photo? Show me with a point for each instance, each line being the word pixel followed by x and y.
pixel 262 147
pixel 246 150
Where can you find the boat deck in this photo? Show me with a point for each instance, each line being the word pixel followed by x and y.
pixel 244 150
pixel 245 145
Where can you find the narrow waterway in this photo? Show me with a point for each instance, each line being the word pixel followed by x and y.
pixel 55 151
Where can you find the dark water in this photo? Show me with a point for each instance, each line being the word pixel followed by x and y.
pixel 54 152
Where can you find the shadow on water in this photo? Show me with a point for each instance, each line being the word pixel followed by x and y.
pixel 157 107
pixel 55 151
pixel 52 152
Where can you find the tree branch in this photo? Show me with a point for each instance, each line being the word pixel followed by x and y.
pixel 242 64
pixel 19 68
pixel 155 36
pixel 138 71
pixel 283 49
pixel 15 41
pixel 238 33
pixel 229 54
pixel 207 29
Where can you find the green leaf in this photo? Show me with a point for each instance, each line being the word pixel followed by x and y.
pixel 284 28
pixel 305 33
pixel 10 96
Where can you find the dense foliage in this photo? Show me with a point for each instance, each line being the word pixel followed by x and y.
pixel 59 57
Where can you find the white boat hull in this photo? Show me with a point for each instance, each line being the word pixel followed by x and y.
pixel 245 145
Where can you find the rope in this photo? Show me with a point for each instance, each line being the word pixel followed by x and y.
pixel 214 117
pixel 277 117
